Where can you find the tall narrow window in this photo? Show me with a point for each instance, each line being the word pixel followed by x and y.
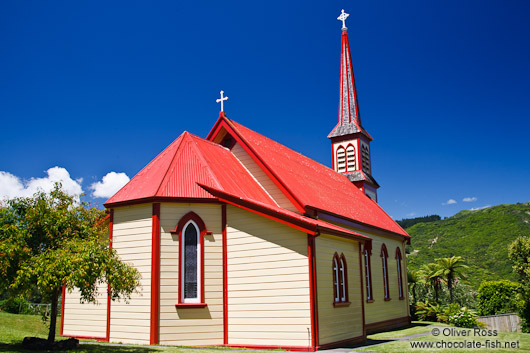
pixel 341 160
pixel 384 257
pixel 350 158
pixel 368 273
pixel 191 231
pixel 340 279
pixel 191 263
pixel 399 273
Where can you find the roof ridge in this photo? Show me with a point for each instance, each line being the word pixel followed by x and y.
pixel 201 156
pixel 183 135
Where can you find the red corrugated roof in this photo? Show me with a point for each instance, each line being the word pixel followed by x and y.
pixel 187 161
pixel 294 219
pixel 312 183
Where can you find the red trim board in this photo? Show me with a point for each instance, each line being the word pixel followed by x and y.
pixel 155 276
pixel 111 235
pixel 225 274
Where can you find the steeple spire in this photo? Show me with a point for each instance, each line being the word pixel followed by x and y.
pixel 350 141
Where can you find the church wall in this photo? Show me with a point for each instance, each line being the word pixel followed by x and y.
pixel 191 326
pixel 132 231
pixel 337 323
pixel 268 282
pixel 259 175
pixel 381 310
pixel 88 320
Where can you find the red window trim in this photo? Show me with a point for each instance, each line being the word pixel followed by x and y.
pixel 190 216
pixel 368 265
pixel 384 256
pixel 399 274
pixel 342 282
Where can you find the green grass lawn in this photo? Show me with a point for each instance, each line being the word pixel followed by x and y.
pixel 451 336
pixel 13 329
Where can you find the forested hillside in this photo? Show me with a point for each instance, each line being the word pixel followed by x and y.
pixel 481 237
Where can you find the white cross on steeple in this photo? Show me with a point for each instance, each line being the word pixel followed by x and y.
pixel 221 100
pixel 343 16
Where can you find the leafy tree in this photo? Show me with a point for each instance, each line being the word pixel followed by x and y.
pixel 49 241
pixel 449 269
pixel 498 297
pixel 432 277
pixel 414 280
pixel 519 253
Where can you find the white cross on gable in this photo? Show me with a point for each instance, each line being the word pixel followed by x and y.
pixel 343 16
pixel 221 100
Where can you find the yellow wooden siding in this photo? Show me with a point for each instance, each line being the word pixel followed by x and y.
pixel 191 326
pixel 261 177
pixel 337 323
pixel 132 233
pixel 381 310
pixel 89 320
pixel 268 282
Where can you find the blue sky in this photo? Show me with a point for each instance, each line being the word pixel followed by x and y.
pixel 95 87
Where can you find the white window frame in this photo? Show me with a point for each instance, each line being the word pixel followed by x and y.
pixel 183 264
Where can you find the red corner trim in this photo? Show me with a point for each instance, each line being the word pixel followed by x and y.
pixel 230 128
pixel 111 234
pixel 190 216
pixel 62 310
pixel 312 290
pixel 155 276
pixel 225 274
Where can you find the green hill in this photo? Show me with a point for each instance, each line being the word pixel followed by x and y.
pixel 481 237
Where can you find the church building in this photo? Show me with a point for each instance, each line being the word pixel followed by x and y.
pixel 243 242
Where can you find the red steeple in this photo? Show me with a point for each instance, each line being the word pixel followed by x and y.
pixel 350 141
pixel 349 115
pixel 349 106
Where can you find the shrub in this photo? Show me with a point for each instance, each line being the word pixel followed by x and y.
pixel 498 297
pixel 14 305
pixel 427 311
pixel 464 318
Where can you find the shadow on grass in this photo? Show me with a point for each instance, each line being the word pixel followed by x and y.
pixel 17 348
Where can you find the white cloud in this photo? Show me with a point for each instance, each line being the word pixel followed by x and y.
pixel 109 185
pixel 449 202
pixel 412 214
pixel 469 199
pixel 12 186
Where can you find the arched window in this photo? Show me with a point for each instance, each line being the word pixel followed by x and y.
pixel 399 273
pixel 384 257
pixel 341 160
pixel 340 279
pixel 190 263
pixel 191 231
pixel 368 271
pixel 350 158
